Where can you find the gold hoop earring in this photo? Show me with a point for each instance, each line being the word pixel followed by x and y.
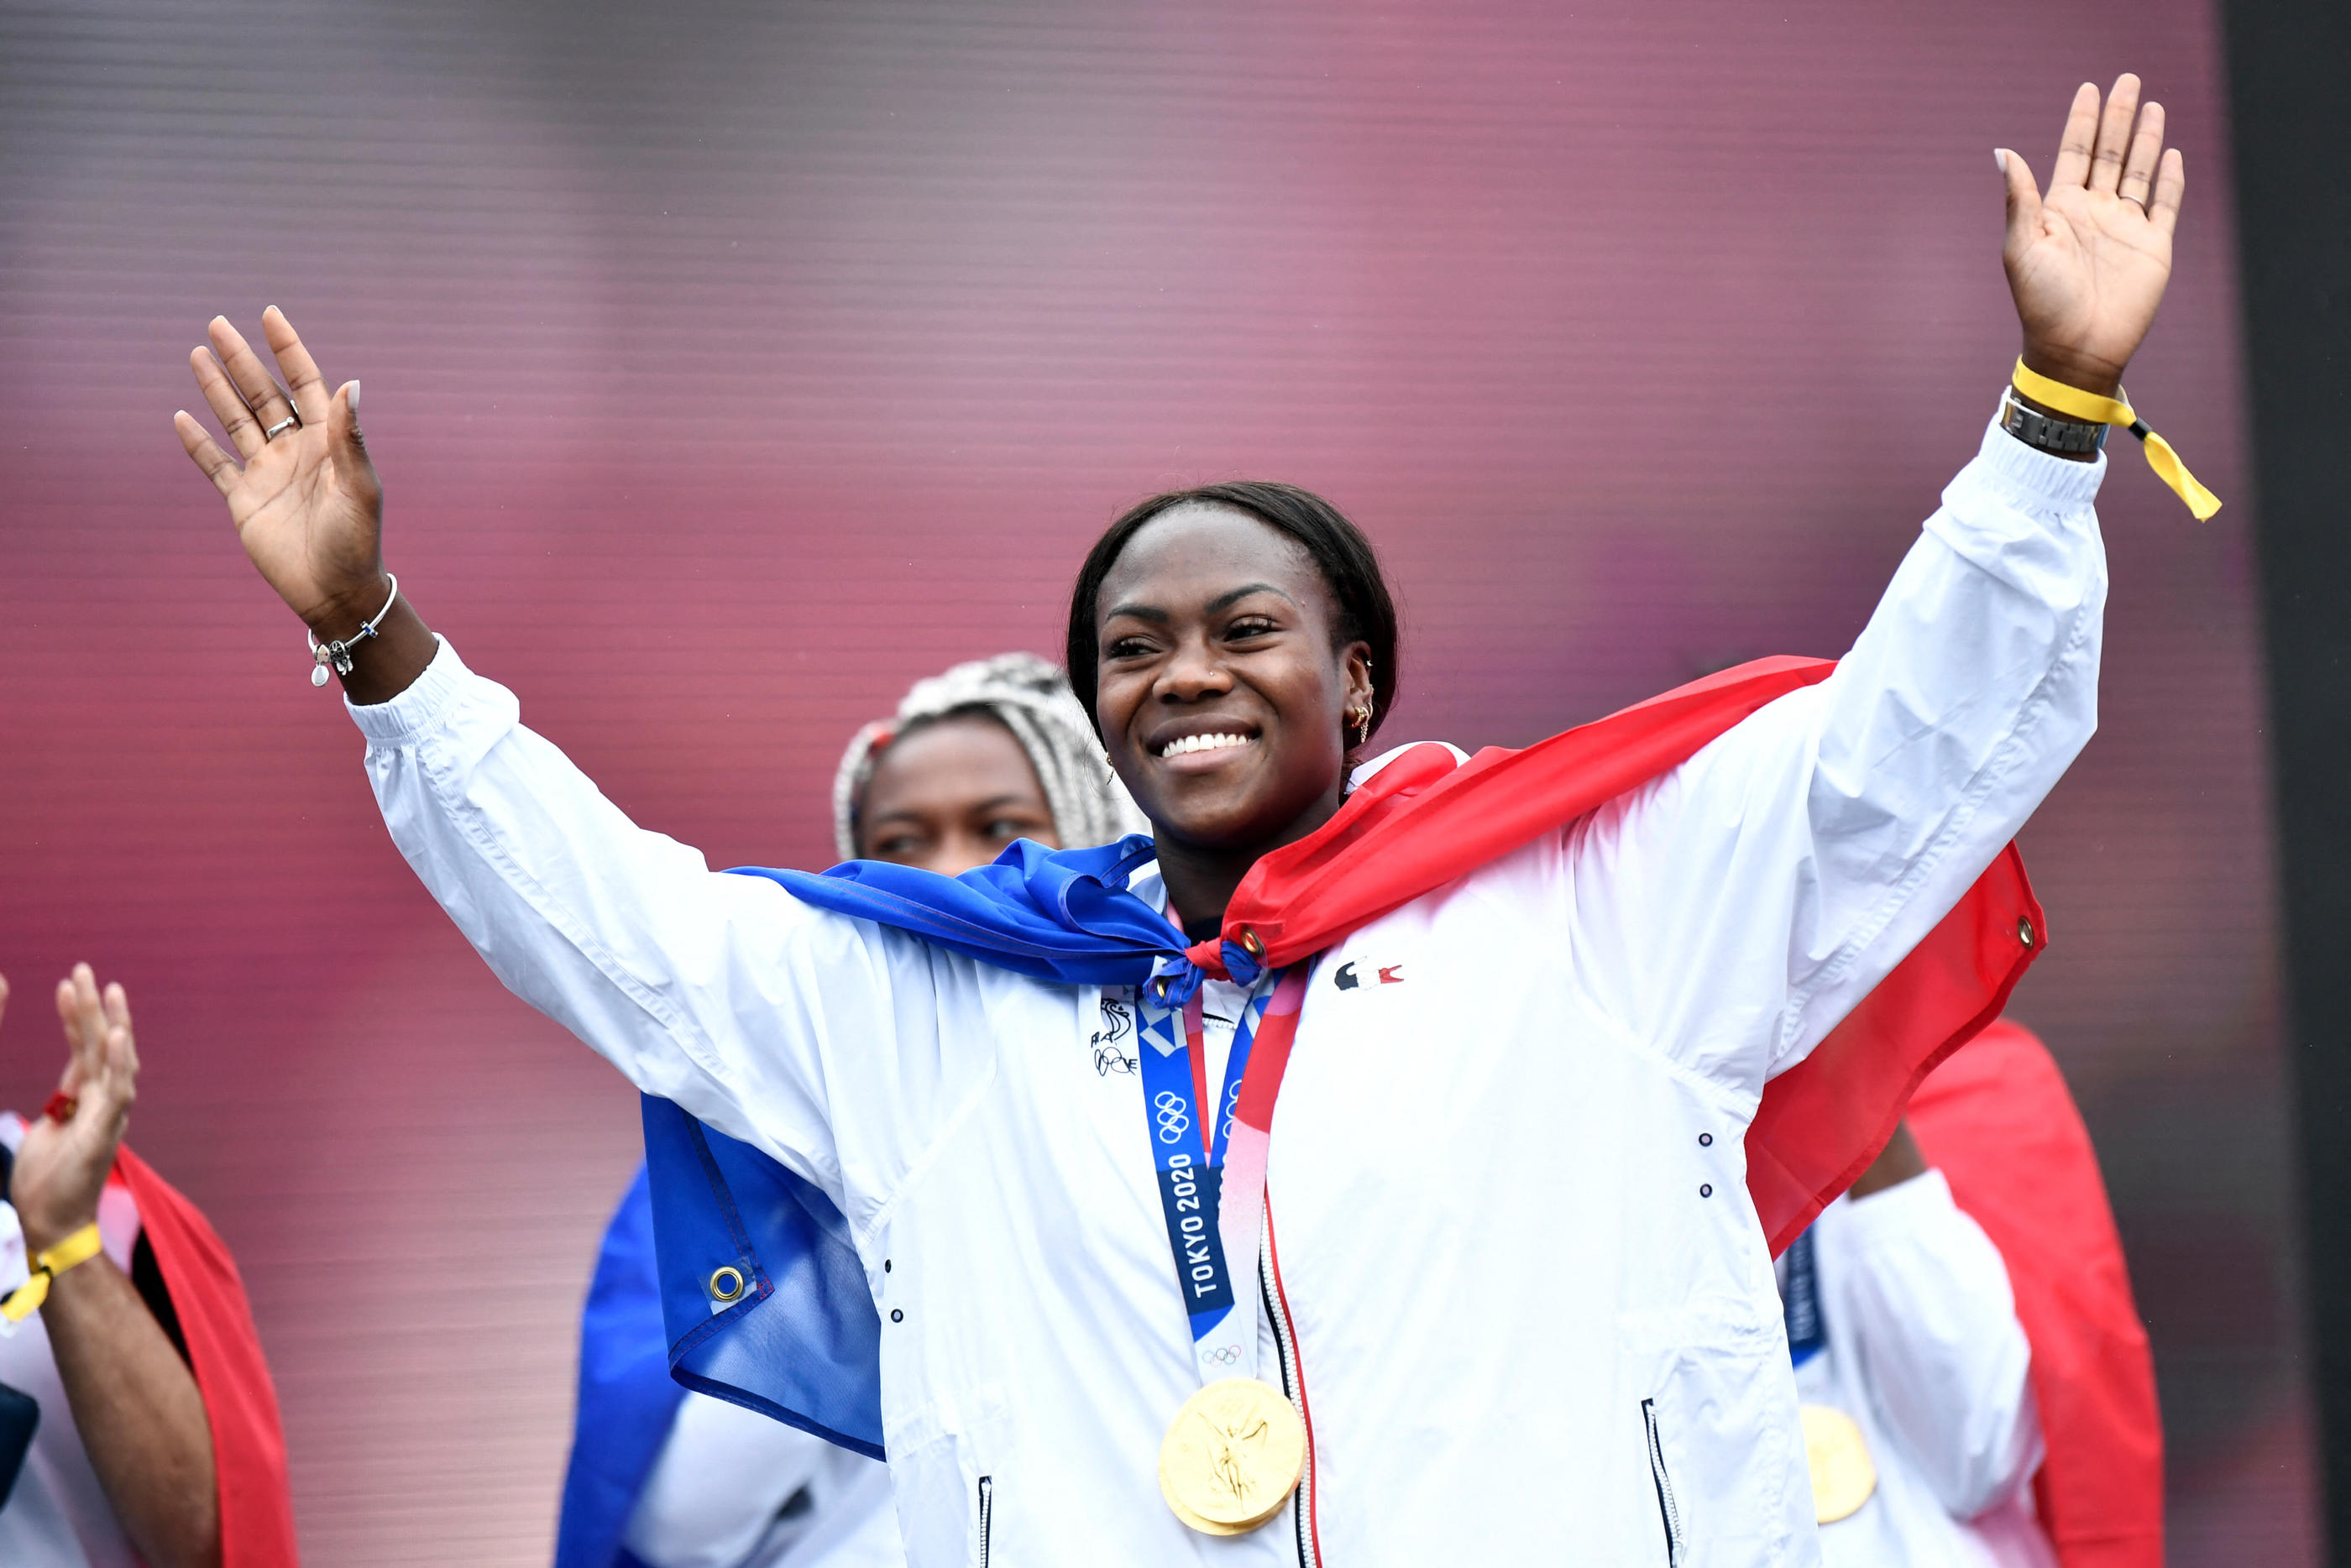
pixel 1362 720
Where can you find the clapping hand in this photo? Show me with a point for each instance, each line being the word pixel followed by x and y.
pixel 2087 262
pixel 61 1165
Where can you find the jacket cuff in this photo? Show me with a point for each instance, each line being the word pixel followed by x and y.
pixel 2033 480
pixel 428 700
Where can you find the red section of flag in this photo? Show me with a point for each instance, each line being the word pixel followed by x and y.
pixel 1426 819
pixel 1998 1122
pixel 1822 1121
pixel 257 1511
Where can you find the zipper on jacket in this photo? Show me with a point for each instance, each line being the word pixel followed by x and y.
pixel 1668 1509
pixel 986 1515
pixel 1302 1503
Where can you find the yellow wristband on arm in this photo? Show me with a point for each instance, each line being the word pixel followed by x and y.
pixel 26 1299
pixel 2077 404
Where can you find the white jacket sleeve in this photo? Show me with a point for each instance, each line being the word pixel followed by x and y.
pixel 723 994
pixel 1921 1295
pixel 1731 911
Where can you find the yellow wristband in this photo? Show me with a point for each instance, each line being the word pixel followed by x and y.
pixel 79 1248
pixel 2077 404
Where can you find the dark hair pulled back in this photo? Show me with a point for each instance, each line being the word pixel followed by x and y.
pixel 1339 552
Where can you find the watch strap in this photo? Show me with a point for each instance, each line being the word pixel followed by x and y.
pixel 2045 432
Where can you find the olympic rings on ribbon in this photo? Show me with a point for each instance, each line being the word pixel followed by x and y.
pixel 1167 1110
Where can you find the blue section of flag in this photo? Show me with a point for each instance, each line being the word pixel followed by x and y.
pixel 627 1399
pixel 1049 914
pixel 804 1344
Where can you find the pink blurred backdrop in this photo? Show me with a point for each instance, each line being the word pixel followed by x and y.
pixel 732 365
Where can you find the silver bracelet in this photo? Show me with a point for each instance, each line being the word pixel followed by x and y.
pixel 338 654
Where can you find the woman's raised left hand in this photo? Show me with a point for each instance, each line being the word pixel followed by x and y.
pixel 2089 261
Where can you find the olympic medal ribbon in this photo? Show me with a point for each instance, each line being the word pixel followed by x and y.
pixel 1189 1143
pixel 1800 1303
pixel 1844 1474
pixel 1246 1129
pixel 1236 1448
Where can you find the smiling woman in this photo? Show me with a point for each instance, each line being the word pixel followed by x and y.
pixel 1235 639
pixel 1573 1036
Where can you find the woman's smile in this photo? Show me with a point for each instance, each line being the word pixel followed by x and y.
pixel 1207 750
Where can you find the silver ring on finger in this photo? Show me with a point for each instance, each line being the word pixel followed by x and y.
pixel 291 421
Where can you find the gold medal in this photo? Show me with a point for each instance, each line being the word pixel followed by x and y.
pixel 1232 1456
pixel 1843 1476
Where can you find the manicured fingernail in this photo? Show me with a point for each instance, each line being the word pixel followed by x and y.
pixel 2000 158
pixel 355 397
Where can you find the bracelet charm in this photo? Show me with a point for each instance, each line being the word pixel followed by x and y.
pixel 338 654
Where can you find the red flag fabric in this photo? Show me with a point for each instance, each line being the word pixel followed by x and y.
pixel 1998 1121
pixel 1822 1121
pixel 256 1509
pixel 1426 818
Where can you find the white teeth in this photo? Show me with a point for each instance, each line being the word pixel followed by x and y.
pixel 1190 744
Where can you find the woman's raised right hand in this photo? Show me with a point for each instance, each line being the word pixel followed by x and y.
pixel 306 502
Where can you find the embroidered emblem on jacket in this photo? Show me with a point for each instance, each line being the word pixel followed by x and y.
pixel 1345 978
pixel 1117 1024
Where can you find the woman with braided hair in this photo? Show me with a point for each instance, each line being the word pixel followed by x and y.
pixel 975 757
pixel 934 784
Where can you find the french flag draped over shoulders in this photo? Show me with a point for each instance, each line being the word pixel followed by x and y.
pixel 256 1508
pixel 802 1343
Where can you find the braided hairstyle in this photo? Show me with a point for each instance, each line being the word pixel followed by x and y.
pixel 1030 697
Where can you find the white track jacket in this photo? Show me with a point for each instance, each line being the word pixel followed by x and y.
pixel 1925 1354
pixel 1520 1292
